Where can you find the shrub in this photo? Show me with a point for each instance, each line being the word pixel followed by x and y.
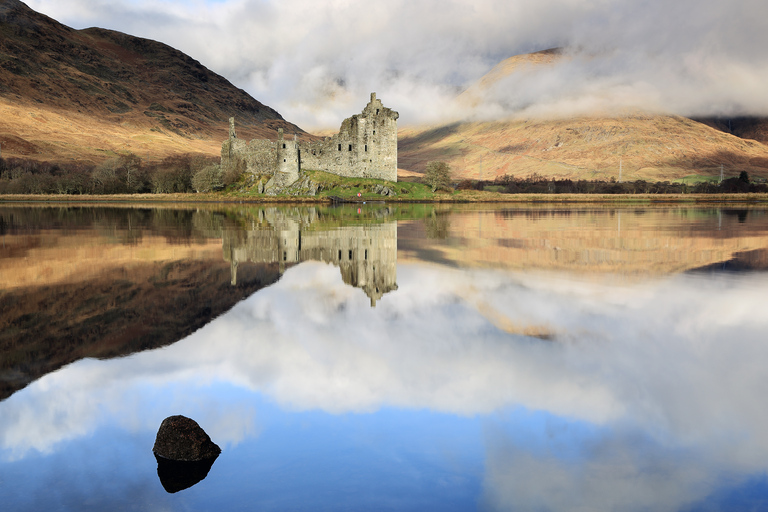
pixel 208 178
pixel 438 176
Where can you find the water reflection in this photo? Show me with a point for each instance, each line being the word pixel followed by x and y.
pixel 93 282
pixel 366 254
pixel 646 395
pixel 176 475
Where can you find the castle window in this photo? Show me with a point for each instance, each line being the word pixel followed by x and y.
pixel 283 159
pixel 366 254
pixel 283 146
pixel 350 147
pixel 339 147
pixel 350 254
pixel 377 111
pixel 339 254
pixel 366 147
pixel 374 132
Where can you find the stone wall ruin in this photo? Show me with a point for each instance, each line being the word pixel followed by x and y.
pixel 365 147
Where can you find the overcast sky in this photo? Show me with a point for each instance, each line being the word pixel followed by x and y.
pixel 317 61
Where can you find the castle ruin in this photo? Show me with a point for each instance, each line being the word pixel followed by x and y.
pixel 365 147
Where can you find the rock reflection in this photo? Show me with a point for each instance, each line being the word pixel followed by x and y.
pixel 178 475
pixel 365 254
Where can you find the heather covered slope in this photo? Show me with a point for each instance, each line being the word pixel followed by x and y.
pixel 649 146
pixel 81 94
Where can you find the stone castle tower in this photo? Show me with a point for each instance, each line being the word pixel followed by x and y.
pixel 366 146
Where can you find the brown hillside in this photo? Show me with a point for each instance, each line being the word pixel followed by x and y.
pixel 755 128
pixel 647 146
pixel 68 93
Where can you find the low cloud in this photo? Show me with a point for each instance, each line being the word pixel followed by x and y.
pixel 316 62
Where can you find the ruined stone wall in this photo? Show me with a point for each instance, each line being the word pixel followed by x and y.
pixel 366 146
pixel 258 156
pixel 288 163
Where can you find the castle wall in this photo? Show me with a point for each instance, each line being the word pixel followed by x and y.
pixel 366 146
pixel 258 156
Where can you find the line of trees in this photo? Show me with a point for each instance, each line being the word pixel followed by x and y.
pixel 124 174
pixel 537 184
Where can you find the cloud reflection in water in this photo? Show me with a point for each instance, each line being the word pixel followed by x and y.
pixel 667 375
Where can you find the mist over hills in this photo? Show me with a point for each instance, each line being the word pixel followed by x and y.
pixel 81 94
pixel 490 138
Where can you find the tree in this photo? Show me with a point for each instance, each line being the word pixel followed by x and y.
pixel 207 178
pixel 438 176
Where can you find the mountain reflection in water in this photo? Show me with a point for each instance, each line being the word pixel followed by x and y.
pixel 648 396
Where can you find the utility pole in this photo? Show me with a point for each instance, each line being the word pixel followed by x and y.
pixel 620 162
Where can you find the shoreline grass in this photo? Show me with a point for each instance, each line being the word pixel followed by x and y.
pixel 438 197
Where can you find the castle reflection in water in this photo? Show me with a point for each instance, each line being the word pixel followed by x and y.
pixel 366 254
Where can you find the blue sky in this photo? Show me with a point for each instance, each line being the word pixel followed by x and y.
pixel 317 61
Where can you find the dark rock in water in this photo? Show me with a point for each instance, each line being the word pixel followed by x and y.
pixel 181 439
pixel 177 475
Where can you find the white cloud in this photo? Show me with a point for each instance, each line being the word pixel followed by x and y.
pixel 621 471
pixel 673 365
pixel 316 62
pixel 659 356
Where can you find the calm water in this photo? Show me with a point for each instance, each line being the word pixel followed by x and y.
pixel 387 358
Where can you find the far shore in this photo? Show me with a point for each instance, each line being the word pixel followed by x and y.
pixel 456 197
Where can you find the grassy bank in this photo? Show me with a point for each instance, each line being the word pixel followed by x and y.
pixel 331 187
pixel 457 197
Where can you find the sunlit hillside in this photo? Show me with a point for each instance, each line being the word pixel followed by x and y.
pixel 642 145
pixel 85 94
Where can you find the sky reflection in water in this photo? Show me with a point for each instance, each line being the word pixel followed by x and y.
pixel 648 396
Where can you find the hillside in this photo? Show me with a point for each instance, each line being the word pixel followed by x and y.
pixel 81 94
pixel 647 146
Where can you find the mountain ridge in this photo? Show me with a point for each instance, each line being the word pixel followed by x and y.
pixel 152 91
